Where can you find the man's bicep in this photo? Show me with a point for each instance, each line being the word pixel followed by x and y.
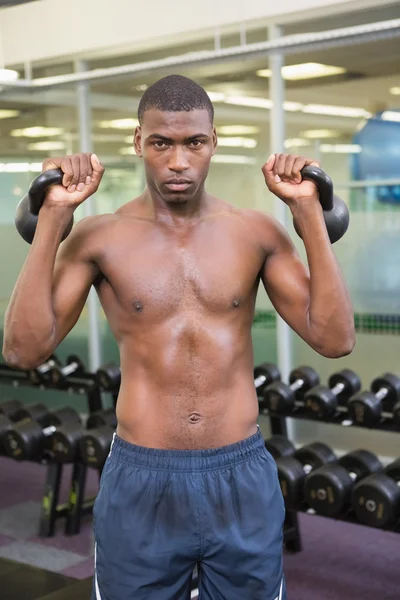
pixel 74 274
pixel 287 282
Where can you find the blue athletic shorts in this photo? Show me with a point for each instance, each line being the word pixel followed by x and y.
pixel 161 513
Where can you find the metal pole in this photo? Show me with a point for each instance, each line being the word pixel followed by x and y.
pixel 85 135
pixel 317 151
pixel 277 139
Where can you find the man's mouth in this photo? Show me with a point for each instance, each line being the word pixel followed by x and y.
pixel 178 185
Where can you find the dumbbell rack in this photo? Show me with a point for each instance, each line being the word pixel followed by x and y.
pixel 291 530
pixel 341 418
pixel 292 536
pixel 76 507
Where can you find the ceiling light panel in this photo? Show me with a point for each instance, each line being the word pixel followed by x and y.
pixel 36 132
pixel 301 71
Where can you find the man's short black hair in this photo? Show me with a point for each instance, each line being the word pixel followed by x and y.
pixel 175 93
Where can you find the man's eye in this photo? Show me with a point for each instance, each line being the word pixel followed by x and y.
pixel 196 143
pixel 160 144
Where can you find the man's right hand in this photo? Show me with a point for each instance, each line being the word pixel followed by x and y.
pixel 82 175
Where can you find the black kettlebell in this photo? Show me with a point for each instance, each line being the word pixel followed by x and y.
pixel 28 208
pixel 336 213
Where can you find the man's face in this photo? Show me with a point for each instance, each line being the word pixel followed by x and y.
pixel 176 148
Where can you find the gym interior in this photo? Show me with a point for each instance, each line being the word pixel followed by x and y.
pixel 318 78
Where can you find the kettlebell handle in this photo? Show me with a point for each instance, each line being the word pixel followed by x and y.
pixel 323 183
pixel 26 216
pixel 38 188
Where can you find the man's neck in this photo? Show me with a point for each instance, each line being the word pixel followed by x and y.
pixel 180 213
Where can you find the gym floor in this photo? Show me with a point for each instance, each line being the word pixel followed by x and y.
pixel 339 561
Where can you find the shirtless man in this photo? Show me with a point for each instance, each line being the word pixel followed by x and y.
pixel 188 480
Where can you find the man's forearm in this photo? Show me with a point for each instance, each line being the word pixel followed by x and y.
pixel 29 326
pixel 330 314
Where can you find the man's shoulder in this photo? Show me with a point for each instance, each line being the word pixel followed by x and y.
pixel 264 229
pixel 242 213
pixel 86 234
pixel 135 208
pixel 95 223
pixel 257 219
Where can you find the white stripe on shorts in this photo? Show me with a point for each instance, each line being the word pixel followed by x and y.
pixel 279 597
pixel 96 585
pixel 112 443
pixel 280 591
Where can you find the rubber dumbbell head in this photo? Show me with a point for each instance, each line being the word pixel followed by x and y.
pixel 328 489
pixel 11 409
pixel 376 499
pixel 396 415
pixel 323 401
pixel 5 426
pixel 27 414
pixel 65 442
pixel 281 398
pixel 292 470
pixel 95 445
pixel 348 381
pixel 108 376
pixel 366 409
pixel 335 211
pixel 42 372
pixel 265 374
pixel 74 366
pixel 99 418
pixel 26 440
pixel 279 445
pixel 61 416
pixel 35 412
pixel 26 217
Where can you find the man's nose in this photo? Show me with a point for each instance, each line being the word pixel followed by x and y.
pixel 178 160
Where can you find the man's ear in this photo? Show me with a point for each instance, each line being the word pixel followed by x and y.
pixel 215 140
pixel 137 141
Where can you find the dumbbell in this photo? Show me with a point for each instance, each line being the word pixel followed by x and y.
pixel 396 415
pixel 367 408
pixel 264 374
pixel 323 402
pixel 59 375
pixel 279 445
pixel 36 412
pixel 42 372
pixel 65 440
pixel 292 470
pixel 28 439
pixel 5 425
pixel 95 443
pixel 280 398
pixel 33 411
pixel 108 376
pixel 11 409
pixel 328 489
pixel 376 499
